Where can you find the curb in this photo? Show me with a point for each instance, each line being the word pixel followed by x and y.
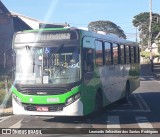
pixel 6 112
pixel 156 75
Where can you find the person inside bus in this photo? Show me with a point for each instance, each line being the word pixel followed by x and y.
pixel 73 63
pixel 89 60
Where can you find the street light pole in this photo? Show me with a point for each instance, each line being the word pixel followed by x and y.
pixel 150 35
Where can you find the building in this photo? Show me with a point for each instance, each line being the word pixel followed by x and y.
pixel 11 22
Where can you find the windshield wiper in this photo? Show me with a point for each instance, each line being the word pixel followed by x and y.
pixel 29 49
pixel 58 50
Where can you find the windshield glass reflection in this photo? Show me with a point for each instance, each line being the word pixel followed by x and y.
pixel 49 65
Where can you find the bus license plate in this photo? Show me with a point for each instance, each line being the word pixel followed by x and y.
pixel 43 109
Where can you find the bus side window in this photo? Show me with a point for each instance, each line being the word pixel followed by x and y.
pixel 122 54
pixel 108 53
pixel 138 50
pixel 88 60
pixel 99 53
pixel 115 53
pixel 132 55
pixel 127 54
pixel 137 54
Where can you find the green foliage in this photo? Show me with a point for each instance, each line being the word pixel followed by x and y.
pixel 155 29
pixel 146 54
pixel 159 47
pixel 142 18
pixel 106 26
pixel 3 92
pixel 2 85
pixel 142 22
pixel 2 95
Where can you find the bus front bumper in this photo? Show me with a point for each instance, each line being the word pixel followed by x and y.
pixel 74 109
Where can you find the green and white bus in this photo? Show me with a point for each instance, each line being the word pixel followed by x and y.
pixel 71 72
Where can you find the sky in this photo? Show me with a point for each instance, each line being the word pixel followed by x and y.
pixel 79 13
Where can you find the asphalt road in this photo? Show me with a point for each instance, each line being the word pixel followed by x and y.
pixel 142 111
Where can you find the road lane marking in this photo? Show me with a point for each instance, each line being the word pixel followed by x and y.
pixel 138 101
pixel 4 118
pixel 125 110
pixel 142 103
pixel 143 122
pixel 113 122
pixel 16 125
pixel 129 103
pixel 142 78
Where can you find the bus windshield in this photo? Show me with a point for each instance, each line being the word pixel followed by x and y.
pixel 47 65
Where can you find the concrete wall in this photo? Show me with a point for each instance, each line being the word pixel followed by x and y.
pixel 6 34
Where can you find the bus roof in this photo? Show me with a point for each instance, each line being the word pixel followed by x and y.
pixel 106 37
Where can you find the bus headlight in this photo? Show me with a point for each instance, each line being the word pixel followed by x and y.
pixel 17 99
pixel 72 99
pixel 77 96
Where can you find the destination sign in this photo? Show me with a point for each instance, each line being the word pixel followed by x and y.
pixel 61 36
pixel 44 37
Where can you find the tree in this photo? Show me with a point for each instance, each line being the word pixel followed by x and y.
pixel 142 22
pixel 146 54
pixel 106 26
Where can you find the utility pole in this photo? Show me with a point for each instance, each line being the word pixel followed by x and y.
pixel 150 35
pixel 136 34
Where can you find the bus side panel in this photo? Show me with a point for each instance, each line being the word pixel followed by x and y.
pixel 91 80
pixel 111 79
pixel 134 77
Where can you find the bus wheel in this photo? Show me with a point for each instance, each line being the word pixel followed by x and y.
pixel 98 105
pixel 127 93
pixel 98 101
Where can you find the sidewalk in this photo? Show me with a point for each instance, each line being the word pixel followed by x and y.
pixel 6 111
pixel 156 70
pixel 146 70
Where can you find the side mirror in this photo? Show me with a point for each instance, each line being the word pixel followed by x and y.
pixel 9 59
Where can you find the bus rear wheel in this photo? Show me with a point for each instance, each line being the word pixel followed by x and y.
pixel 127 93
pixel 97 106
pixel 98 101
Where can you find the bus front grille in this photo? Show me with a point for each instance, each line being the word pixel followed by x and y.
pixel 41 91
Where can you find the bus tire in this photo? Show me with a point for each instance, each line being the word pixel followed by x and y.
pixel 127 93
pixel 98 101
pixel 97 106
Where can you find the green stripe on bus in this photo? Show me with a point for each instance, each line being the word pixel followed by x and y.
pixel 46 29
pixel 43 99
